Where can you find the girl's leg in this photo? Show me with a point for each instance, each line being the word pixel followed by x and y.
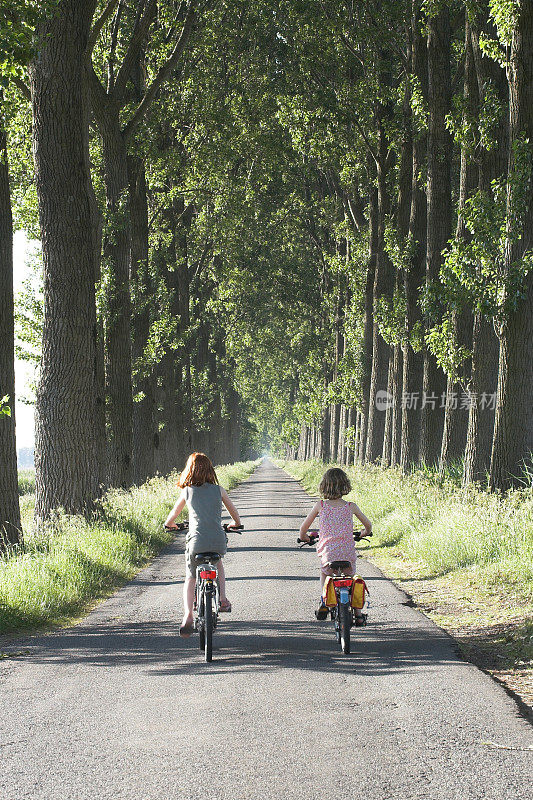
pixel 322 612
pixel 222 581
pixel 188 600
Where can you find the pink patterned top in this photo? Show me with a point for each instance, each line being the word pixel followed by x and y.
pixel 335 534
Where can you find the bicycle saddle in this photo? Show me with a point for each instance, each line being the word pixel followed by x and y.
pixel 207 556
pixel 335 565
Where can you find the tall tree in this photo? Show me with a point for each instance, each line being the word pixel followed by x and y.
pixel 513 428
pixel 492 162
pixel 413 360
pixel 456 414
pixel 10 527
pixel 66 462
pixel 439 213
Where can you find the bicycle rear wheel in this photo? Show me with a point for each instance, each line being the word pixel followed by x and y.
pixel 208 619
pixel 201 620
pixel 344 625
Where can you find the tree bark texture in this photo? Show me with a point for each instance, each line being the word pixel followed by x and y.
pixel 383 289
pixel 483 383
pixel 439 216
pixel 513 427
pixel 456 414
pixel 10 526
pixel 117 252
pixel 414 276
pixel 485 345
pixel 144 409
pixel 368 327
pixel 66 452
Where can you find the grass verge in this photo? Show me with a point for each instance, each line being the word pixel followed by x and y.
pixel 55 576
pixel 465 556
pixel 26 481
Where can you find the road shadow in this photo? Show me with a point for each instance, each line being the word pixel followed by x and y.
pixel 244 646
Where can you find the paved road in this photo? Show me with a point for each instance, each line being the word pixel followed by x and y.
pixel 119 707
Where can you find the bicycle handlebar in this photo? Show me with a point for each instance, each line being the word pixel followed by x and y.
pixel 180 526
pixel 183 526
pixel 233 528
pixel 313 537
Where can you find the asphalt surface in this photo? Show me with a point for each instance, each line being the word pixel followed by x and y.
pixel 120 707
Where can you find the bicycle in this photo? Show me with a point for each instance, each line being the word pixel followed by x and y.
pixel 343 615
pixel 206 592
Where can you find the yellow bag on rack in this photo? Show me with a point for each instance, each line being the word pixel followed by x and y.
pixel 328 592
pixel 359 592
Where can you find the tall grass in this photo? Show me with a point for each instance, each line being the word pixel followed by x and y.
pixel 26 481
pixel 442 527
pixel 54 576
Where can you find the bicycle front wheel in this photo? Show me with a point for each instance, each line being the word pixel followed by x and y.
pixel 344 626
pixel 208 618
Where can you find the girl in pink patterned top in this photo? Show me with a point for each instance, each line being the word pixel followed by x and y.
pixel 335 532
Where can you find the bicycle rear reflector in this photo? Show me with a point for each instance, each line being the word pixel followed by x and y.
pixel 208 575
pixel 342 582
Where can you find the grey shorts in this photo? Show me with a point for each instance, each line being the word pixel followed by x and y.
pixel 328 571
pixel 192 562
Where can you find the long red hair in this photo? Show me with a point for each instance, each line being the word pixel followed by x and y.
pixel 198 470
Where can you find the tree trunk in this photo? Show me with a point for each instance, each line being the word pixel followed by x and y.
pixel 456 413
pixel 66 452
pixel 413 360
pixel 391 443
pixel 341 449
pixel 324 431
pixel 485 346
pixel 144 407
pixel 383 288
pixel 357 437
pixel 235 426
pixel 387 433
pixel 366 357
pixel 100 419
pixel 513 427
pixel 117 249
pixel 334 438
pixel 10 526
pixel 482 390
pixel 396 421
pixel 175 443
pixel 439 218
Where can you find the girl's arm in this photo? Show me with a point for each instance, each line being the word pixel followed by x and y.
pixel 176 511
pixel 356 511
pixel 231 508
pixel 306 524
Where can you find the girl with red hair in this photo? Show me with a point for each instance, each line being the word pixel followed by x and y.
pixel 204 497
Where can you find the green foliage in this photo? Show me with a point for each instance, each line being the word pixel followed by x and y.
pixel 441 341
pixel 5 408
pixel 504 13
pixel 17 30
pixel 418 107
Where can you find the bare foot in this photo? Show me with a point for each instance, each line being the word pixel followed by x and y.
pixel 186 628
